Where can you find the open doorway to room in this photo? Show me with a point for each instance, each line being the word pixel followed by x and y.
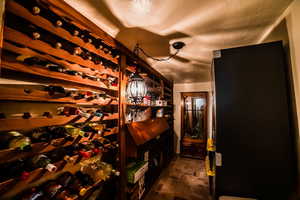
pixel 193 124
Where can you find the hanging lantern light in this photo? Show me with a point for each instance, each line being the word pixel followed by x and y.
pixel 136 88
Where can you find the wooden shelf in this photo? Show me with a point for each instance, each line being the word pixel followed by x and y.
pixel 19 94
pixel 64 10
pixel 9 155
pixel 20 38
pixel 113 131
pixel 31 123
pixel 36 70
pixel 26 51
pixel 17 9
pixel 12 186
pixel 144 105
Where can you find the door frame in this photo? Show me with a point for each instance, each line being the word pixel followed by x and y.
pixel 193 94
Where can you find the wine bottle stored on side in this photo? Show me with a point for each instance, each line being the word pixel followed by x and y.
pixel 37 8
pixel 16 140
pixel 51 189
pixel 56 91
pixel 16 169
pixel 41 135
pixel 32 194
pixel 80 183
pixel 42 161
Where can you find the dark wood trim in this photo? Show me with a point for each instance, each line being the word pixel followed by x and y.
pixel 122 128
pixel 203 94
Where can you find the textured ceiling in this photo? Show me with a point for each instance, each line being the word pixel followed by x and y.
pixel 203 25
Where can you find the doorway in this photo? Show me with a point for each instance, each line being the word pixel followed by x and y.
pixel 193 124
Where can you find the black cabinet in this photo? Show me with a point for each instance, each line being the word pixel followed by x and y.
pixel 254 130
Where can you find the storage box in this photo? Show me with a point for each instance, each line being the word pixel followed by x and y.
pixel 136 171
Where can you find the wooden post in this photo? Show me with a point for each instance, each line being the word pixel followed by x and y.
pixel 122 132
pixel 2 8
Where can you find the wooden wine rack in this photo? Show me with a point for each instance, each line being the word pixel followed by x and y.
pixel 16 42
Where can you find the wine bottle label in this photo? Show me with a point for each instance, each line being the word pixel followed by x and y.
pixel 51 168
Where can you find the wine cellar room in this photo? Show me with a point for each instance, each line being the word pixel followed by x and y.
pixel 149 100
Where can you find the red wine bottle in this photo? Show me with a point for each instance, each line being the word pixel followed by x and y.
pixel 16 169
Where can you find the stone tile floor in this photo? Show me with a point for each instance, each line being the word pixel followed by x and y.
pixel 184 179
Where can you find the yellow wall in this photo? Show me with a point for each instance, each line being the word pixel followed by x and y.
pixel 188 87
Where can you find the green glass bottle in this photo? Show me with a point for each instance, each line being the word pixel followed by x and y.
pixel 15 140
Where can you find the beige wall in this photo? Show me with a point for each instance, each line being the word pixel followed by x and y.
pixel 293 24
pixel 188 87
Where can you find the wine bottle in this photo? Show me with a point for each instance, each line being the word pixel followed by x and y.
pixel 16 169
pixel 36 8
pixel 51 189
pixel 80 183
pixel 33 194
pixel 65 179
pixel 71 28
pixel 41 135
pixel 65 195
pixel 97 60
pixel 86 37
pixel 73 72
pixel 60 132
pixel 56 91
pixel 105 170
pixel 74 132
pixel 55 68
pixel 98 43
pixel 115 53
pixel 68 110
pixel 16 140
pixel 29 60
pixel 42 161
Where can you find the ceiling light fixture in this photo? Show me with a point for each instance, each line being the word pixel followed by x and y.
pixel 136 88
pixel 176 45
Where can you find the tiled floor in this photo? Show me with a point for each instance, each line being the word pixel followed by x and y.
pixel 184 179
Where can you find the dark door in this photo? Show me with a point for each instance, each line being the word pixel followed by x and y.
pixel 253 123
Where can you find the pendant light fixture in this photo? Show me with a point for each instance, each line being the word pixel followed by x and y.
pixel 136 88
